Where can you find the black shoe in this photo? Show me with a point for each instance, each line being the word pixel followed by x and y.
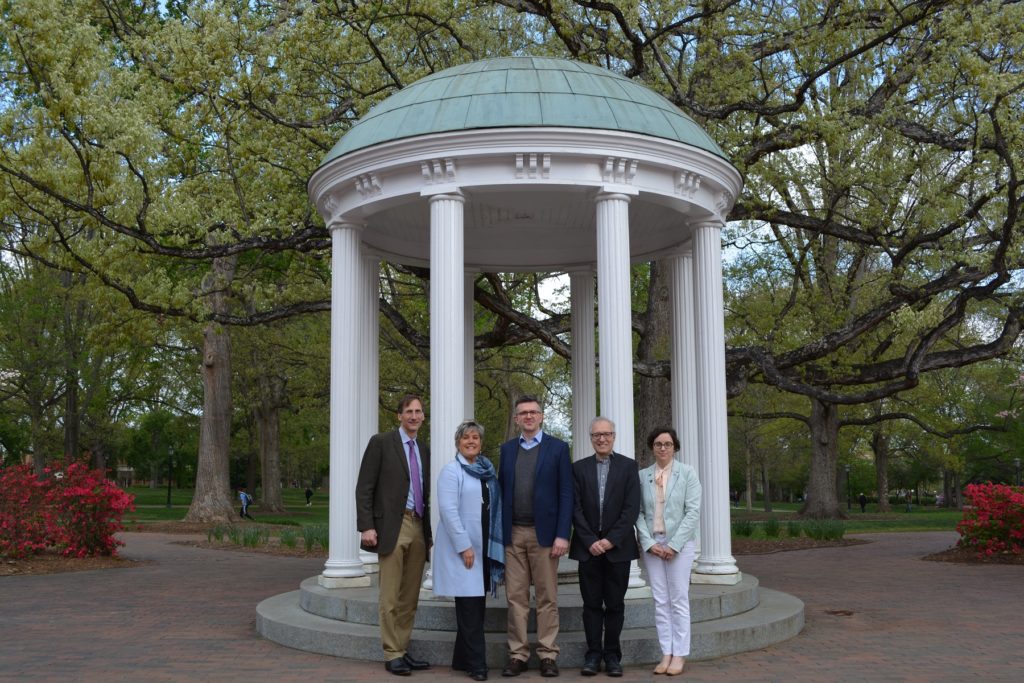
pixel 591 665
pixel 416 664
pixel 613 666
pixel 398 666
pixel 548 668
pixel 479 675
pixel 514 668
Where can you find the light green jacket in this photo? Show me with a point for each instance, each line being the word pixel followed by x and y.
pixel 682 507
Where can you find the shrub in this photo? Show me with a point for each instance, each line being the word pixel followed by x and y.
pixel 77 510
pixel 216 532
pixel 289 538
pixel 87 509
pixel 772 527
pixel 825 529
pixel 994 521
pixel 313 535
pixel 235 534
pixel 255 536
pixel 794 528
pixel 24 524
pixel 743 527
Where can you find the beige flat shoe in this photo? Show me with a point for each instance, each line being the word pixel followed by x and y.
pixel 676 667
pixel 663 664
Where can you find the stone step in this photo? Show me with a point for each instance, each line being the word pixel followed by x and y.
pixel 359 605
pixel 281 619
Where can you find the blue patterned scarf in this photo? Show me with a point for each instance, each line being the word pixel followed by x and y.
pixel 483 470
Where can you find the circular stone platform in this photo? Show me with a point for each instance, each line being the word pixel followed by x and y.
pixel 344 623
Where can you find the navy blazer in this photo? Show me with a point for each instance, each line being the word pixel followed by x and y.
pixel 552 489
pixel 621 509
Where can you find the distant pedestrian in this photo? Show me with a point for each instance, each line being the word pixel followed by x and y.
pixel 910 501
pixel 309 497
pixel 863 500
pixel 246 502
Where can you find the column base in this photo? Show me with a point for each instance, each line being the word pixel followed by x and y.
pixel 716 579
pixel 344 581
pixel 641 593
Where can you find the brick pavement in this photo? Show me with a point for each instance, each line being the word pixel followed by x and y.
pixel 189 615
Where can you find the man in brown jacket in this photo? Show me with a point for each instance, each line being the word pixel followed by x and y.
pixel 393 518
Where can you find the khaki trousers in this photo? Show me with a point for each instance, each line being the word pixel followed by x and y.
pixel 401 573
pixel 527 562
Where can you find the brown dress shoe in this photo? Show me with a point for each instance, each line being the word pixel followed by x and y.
pixel 514 668
pixel 548 668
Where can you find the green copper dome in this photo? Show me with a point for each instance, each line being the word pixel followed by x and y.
pixel 516 92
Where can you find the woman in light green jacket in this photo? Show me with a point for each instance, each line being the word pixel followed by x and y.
pixel 667 530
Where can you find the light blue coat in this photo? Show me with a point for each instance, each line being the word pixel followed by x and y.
pixel 682 507
pixel 459 499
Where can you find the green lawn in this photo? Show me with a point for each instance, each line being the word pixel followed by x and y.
pixel 151 506
pixel 921 518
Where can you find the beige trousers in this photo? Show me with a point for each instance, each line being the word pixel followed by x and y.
pixel 527 562
pixel 401 574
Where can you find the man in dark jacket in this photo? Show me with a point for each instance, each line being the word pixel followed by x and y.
pixel 607 495
pixel 393 518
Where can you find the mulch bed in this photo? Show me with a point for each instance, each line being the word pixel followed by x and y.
pixel 51 563
pixel 966 556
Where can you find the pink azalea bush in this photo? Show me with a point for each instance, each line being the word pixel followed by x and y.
pixel 994 522
pixel 75 509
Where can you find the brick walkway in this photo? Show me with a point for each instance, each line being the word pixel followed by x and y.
pixel 875 612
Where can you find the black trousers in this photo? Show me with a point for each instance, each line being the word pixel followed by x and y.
pixel 603 588
pixel 470 651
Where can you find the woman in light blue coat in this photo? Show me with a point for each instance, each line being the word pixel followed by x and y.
pixel 667 530
pixel 469 553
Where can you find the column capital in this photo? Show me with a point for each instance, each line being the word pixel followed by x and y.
pixel 612 193
pixel 449 192
pixel 717 223
pixel 334 226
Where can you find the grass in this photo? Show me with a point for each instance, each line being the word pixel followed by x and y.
pixel 920 519
pixel 151 506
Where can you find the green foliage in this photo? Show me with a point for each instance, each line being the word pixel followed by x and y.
pixel 743 528
pixel 794 528
pixel 772 527
pixel 255 536
pixel 825 529
pixel 289 538
pixel 314 535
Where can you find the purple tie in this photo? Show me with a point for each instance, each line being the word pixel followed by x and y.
pixel 414 474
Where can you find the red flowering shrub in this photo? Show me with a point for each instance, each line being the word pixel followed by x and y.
pixel 77 510
pixel 24 524
pixel 995 521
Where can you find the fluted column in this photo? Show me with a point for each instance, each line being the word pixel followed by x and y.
pixel 469 323
pixel 584 362
pixel 369 367
pixel 684 365
pixel 344 568
pixel 615 331
pixel 716 564
pixel 447 331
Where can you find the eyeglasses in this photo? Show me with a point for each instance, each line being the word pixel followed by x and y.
pixel 597 436
pixel 662 445
pixel 528 413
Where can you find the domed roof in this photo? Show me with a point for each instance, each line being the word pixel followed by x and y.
pixel 517 92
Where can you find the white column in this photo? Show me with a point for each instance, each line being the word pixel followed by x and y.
pixel 584 362
pixel 369 367
pixel 684 364
pixel 469 355
pixel 716 564
pixel 615 331
pixel 447 333
pixel 344 568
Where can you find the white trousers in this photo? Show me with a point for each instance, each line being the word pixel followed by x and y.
pixel 670 586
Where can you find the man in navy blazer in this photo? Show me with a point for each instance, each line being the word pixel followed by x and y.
pixel 607 493
pixel 535 473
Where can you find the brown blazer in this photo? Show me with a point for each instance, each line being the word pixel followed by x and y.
pixel 383 488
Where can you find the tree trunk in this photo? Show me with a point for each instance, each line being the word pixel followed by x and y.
pixel 72 415
pixel 654 409
pixel 38 441
pixel 766 487
pixel 213 501
pixel 880 446
pixel 821 500
pixel 749 474
pixel 268 431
